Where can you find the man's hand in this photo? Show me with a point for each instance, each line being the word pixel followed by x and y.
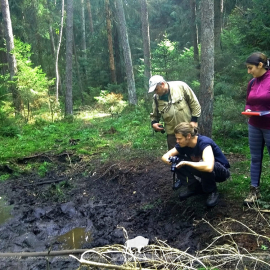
pixel 157 127
pixel 181 164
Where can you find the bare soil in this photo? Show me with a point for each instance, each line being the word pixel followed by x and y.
pixel 136 195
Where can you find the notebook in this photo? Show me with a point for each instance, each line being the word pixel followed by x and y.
pixel 261 113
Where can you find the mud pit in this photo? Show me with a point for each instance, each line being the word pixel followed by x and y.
pixel 137 196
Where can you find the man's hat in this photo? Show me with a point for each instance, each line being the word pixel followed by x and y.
pixel 154 80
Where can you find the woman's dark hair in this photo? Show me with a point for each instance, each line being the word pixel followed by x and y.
pixel 257 58
pixel 186 128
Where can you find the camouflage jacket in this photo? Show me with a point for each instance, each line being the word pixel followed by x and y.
pixel 183 106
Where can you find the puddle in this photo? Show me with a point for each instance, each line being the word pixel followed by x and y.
pixel 5 210
pixel 75 238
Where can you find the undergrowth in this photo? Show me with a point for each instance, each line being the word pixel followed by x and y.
pixel 124 136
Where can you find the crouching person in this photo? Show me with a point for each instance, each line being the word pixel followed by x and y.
pixel 201 165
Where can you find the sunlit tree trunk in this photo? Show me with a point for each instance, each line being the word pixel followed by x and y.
pixel 53 49
pixel 90 16
pixel 69 45
pixel 127 53
pixel 207 67
pixel 194 29
pixel 110 41
pixel 146 44
pixel 57 52
pixel 83 29
pixel 12 63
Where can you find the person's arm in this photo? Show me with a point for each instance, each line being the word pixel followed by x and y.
pixel 170 153
pixel 207 163
pixel 193 104
pixel 155 115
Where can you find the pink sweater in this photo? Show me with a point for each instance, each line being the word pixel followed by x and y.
pixel 258 99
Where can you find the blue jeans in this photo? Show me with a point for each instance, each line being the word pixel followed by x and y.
pixel 257 137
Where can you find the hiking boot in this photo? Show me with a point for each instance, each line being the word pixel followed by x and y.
pixel 187 192
pixel 212 199
pixel 254 195
pixel 177 184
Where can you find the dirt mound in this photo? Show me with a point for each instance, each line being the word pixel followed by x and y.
pixel 137 196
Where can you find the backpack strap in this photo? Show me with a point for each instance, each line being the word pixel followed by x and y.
pixel 156 101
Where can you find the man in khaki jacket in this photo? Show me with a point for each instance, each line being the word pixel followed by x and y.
pixel 174 102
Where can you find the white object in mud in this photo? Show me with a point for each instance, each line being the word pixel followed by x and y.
pixel 138 242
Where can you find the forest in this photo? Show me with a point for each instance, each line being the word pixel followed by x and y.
pixel 77 149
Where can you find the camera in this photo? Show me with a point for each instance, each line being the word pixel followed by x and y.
pixel 162 131
pixel 174 160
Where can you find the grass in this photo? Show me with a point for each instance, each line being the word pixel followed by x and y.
pixel 125 137
pixel 128 136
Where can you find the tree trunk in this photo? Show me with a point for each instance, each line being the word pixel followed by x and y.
pixel 3 55
pixel 90 16
pixel 57 52
pixel 126 51
pixel 110 42
pixel 218 5
pixel 207 67
pixel 12 63
pixel 146 44
pixel 83 47
pixel 53 49
pixel 78 70
pixel 69 45
pixel 52 39
pixel 194 30
pixel 83 29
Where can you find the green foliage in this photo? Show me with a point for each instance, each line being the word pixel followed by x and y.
pixel 110 102
pixel 253 26
pixel 237 187
pixel 247 30
pixel 4 177
pixel 43 168
pixel 228 121
pixel 8 127
pixel 31 81
pixel 57 191
pixel 175 64
pixel 264 247
pixel 40 122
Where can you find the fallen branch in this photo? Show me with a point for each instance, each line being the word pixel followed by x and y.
pixel 42 253
pixel 44 182
pixel 108 266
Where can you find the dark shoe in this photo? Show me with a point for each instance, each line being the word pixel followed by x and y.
pixel 212 199
pixel 177 184
pixel 186 192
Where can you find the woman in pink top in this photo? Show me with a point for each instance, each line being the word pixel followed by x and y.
pixel 258 99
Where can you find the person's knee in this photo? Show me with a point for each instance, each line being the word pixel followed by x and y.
pixel 256 159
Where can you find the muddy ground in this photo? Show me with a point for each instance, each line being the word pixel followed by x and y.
pixel 136 195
